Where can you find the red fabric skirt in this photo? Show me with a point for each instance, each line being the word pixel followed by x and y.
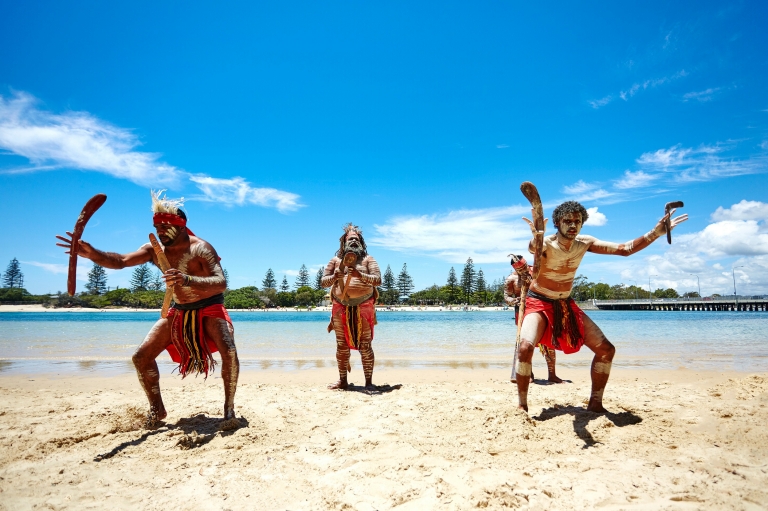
pixel 178 349
pixel 547 308
pixel 352 317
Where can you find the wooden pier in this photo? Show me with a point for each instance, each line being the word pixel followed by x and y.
pixel 742 304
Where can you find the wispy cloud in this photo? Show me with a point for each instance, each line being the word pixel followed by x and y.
pixel 486 235
pixel 700 164
pixel 637 179
pixel 61 269
pixel 237 191
pixel 636 88
pixel 585 192
pixel 79 140
pixel 702 96
pixel 502 146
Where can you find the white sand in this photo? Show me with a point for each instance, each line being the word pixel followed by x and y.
pixel 448 439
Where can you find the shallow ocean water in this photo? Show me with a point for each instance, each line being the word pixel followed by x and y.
pixel 103 342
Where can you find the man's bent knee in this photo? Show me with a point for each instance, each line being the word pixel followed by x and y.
pixel 525 350
pixel 606 350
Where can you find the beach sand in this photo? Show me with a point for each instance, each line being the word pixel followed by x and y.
pixel 433 439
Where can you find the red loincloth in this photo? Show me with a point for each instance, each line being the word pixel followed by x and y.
pixel 352 317
pixel 189 347
pixel 569 341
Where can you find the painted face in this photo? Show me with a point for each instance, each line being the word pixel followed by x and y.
pixel 353 239
pixel 570 225
pixel 167 233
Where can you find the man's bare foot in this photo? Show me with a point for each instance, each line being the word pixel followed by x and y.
pixel 371 389
pixel 596 407
pixel 154 419
pixel 339 385
pixel 554 379
pixel 229 414
pixel 523 408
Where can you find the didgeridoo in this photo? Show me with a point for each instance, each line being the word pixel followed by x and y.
pixel 165 266
pixel 350 258
pixel 93 204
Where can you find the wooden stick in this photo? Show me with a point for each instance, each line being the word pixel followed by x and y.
pixel 93 204
pixel 162 260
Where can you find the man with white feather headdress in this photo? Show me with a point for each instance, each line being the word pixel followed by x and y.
pixel 197 325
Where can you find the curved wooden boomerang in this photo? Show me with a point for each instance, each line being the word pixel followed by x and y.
pixel 532 194
pixel 667 208
pixel 89 209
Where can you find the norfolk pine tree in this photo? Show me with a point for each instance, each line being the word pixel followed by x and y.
pixel 141 278
pixel 97 280
pixel 302 279
pixel 269 281
pixel 13 276
pixel 468 279
pixel 404 282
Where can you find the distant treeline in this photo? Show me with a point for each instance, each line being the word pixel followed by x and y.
pixel 148 289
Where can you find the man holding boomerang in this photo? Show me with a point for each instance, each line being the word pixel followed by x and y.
pixel 551 316
pixel 198 324
pixel 353 276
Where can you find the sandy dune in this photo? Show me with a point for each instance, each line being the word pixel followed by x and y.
pixel 431 440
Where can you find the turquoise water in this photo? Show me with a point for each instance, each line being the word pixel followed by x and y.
pixel 104 341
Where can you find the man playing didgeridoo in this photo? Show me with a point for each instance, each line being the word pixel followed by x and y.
pixel 353 290
pixel 513 285
pixel 198 324
pixel 552 317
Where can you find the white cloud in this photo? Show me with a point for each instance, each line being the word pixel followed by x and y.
pixel 290 273
pixel 700 164
pixel 62 269
pixel 744 210
pixel 635 88
pixel 736 238
pixel 583 192
pixel 637 179
pixel 79 140
pixel 237 191
pixel 502 146
pixel 598 103
pixel 486 235
pixel 702 96
pixel 596 219
pixel 727 238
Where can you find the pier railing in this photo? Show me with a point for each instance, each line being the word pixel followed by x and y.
pixel 738 303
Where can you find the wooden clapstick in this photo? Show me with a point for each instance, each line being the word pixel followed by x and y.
pixel 349 260
pixel 165 266
pixel 89 209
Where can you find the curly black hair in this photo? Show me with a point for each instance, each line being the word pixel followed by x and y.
pixel 569 207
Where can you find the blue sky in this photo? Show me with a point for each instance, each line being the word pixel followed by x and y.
pixel 279 123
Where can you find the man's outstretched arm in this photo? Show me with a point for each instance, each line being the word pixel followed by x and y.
pixel 109 260
pixel 637 244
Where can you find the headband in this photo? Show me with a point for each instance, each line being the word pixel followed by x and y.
pixel 170 218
